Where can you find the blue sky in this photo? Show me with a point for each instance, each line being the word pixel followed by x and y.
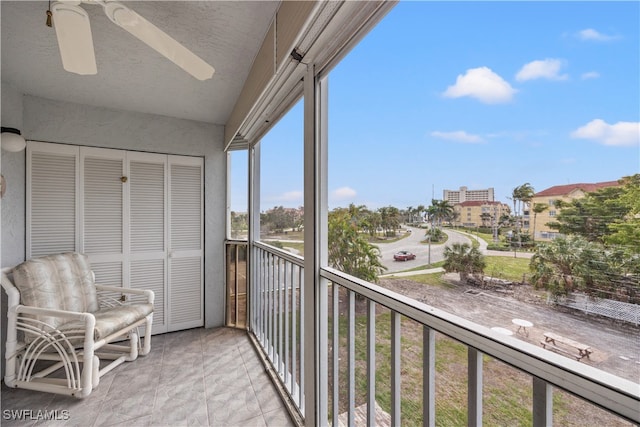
pixel 478 94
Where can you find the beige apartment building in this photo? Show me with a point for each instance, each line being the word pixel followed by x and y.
pixel 479 213
pixel 549 198
pixel 465 195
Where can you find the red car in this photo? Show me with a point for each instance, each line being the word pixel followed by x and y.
pixel 403 256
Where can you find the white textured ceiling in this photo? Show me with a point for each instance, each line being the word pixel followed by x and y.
pixel 132 76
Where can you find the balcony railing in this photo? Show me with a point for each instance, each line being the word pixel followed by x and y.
pixel 277 323
pixel 372 336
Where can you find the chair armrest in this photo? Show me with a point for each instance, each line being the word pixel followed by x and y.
pixel 88 319
pixel 50 312
pixel 12 292
pixel 146 292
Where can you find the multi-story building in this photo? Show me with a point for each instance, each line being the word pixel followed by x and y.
pixel 479 213
pixel 465 195
pixel 550 196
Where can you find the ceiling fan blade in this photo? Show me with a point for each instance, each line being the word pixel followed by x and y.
pixel 158 40
pixel 73 31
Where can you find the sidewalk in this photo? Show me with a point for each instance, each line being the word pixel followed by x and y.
pixel 414 273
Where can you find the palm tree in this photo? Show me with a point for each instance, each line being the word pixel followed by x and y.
pixel 410 211
pixel 440 210
pixel 419 210
pixel 463 259
pixel 371 222
pixel 520 195
pixel 537 208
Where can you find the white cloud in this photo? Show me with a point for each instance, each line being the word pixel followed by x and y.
pixel 458 136
pixel 290 196
pixel 590 75
pixel 542 69
pixel 622 134
pixel 591 34
pixel 343 193
pixel 483 84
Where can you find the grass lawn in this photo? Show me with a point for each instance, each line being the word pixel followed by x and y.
pixel 486 237
pixel 294 245
pixel 506 267
pixel 507 392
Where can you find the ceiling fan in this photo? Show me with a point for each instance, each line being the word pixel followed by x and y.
pixel 73 31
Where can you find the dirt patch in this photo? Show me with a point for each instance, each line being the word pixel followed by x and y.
pixel 616 345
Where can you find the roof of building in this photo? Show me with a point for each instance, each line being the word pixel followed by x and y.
pixel 563 190
pixel 478 203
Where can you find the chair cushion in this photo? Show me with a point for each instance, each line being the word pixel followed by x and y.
pixel 60 282
pixel 112 319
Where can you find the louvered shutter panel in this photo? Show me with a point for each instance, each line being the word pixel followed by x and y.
pixel 147 186
pixel 186 292
pixel 108 274
pixel 148 224
pixel 51 199
pixel 186 207
pixel 186 212
pixel 103 211
pixel 103 206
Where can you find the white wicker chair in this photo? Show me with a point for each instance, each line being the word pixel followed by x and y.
pixel 59 327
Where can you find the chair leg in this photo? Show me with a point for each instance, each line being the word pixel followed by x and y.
pixel 96 372
pixel 90 364
pixel 146 345
pixel 133 346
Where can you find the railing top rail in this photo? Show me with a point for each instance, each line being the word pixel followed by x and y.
pixel 603 389
pixel 295 259
pixel 236 242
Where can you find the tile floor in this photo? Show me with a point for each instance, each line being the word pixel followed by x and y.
pixel 199 377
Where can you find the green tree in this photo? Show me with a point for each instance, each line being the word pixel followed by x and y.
pixel 521 195
pixel 389 219
pixel 420 210
pixel 537 208
pixel 576 264
pixel 239 224
pixel 439 211
pixel 371 223
pixel 349 250
pixel 277 219
pixel 463 259
pixel 625 230
pixel 609 215
pixel 408 214
pixel 554 263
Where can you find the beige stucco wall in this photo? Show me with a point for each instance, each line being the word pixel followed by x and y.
pixel 472 215
pixel 539 221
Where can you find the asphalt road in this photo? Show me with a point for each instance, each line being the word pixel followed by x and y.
pixel 413 244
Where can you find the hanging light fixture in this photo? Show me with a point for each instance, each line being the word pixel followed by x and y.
pixel 12 140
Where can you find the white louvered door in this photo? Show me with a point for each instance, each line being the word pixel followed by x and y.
pixel 103 214
pixel 186 211
pixel 148 229
pixel 52 191
pixel 139 217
